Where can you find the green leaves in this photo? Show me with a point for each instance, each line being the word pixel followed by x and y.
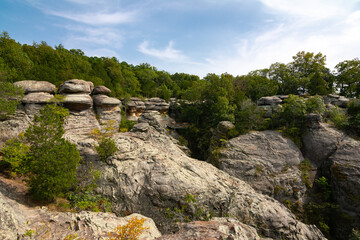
pixel 51 160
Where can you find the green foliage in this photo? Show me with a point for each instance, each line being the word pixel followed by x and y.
pixel 248 117
pixel 88 201
pixel 293 111
pixel 355 235
pixel 51 160
pixel 10 95
pixel 126 125
pixel 339 118
pixel 353 111
pixel 15 152
pixel 315 105
pixel 106 148
pixel 304 168
pixel 189 211
pixel 347 77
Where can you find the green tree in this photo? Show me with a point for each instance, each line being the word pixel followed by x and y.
pixel 348 77
pixel 51 160
pixel 10 95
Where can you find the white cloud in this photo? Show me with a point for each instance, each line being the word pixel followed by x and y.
pixel 166 54
pixel 296 28
pixel 98 18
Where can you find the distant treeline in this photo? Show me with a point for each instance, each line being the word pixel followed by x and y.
pixel 306 73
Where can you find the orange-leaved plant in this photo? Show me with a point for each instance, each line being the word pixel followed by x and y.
pixel 131 231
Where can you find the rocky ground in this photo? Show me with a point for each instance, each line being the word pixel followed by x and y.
pixel 152 173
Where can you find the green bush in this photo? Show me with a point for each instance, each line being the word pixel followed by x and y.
pixel 14 152
pixel 106 148
pixel 355 235
pixel 353 111
pixel 10 95
pixel 339 118
pixel 293 111
pixel 248 117
pixel 126 125
pixel 51 161
pixel 315 105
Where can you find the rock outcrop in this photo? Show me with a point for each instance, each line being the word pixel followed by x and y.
pixel 267 161
pixel 76 86
pixel 17 221
pixel 108 109
pixel 149 174
pixel 338 159
pixel 217 228
pixel 31 86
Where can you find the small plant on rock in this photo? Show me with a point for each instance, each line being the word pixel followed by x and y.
pixel 130 231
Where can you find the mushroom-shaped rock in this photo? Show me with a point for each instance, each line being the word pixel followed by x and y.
pixel 37 97
pixel 78 102
pixel 101 90
pixel 36 86
pixel 76 86
pixel 100 100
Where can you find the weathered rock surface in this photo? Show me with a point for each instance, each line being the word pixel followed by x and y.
pixel 78 102
pixel 338 159
pixel 267 161
pixel 12 127
pixel 320 141
pixel 108 109
pixel 36 86
pixel 16 218
pixel 76 86
pixel 37 98
pixel 217 228
pixel 149 173
pixel 272 100
pixel 101 90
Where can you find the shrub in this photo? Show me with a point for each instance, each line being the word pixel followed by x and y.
pixel 293 111
pixel 51 160
pixel 126 125
pixel 106 148
pixel 354 115
pixel 14 152
pixel 315 105
pixel 355 235
pixel 248 117
pixel 339 118
pixel 130 231
pixel 10 95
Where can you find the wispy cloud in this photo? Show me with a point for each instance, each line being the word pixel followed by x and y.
pixel 98 18
pixel 166 54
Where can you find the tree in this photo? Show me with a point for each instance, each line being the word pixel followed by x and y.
pixel 10 95
pixel 348 77
pixel 51 160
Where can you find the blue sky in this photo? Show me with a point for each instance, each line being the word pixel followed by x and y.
pixel 192 36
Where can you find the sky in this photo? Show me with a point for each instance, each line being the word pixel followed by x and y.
pixel 191 36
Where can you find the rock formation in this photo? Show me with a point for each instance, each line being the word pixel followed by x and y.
pixel 267 161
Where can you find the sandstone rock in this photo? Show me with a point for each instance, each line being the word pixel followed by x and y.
pixel 37 98
pixel 78 102
pixel 273 100
pixel 320 141
pixel 344 166
pixel 76 86
pixel 140 127
pixel 149 173
pixel 342 102
pixel 217 228
pixel 103 100
pixel 12 127
pixel 36 86
pixel 16 218
pixel 267 161
pixel 101 90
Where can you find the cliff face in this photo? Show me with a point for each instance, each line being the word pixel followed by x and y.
pixel 151 172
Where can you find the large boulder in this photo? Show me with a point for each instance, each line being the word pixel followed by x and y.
pixel 17 219
pixel 149 174
pixel 76 86
pixel 37 98
pixel 267 161
pixel 78 102
pixel 217 228
pixel 101 90
pixel 272 100
pixel 36 86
